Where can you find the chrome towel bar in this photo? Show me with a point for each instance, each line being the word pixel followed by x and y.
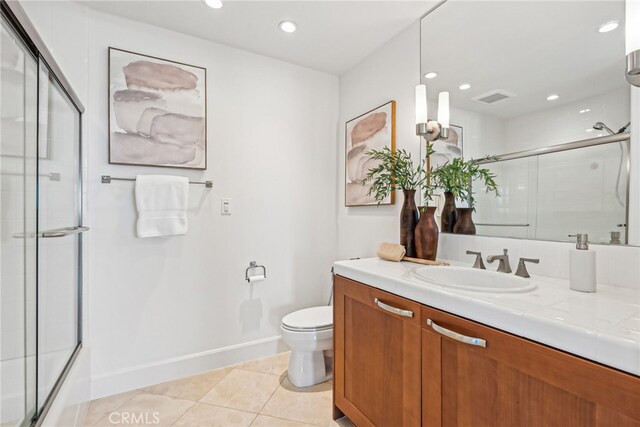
pixel 106 179
pixel 488 224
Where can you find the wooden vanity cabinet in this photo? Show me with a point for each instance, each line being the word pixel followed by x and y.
pixel 515 382
pixel 377 356
pixel 394 369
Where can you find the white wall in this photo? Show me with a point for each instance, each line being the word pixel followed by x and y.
pixel 390 73
pixel 163 308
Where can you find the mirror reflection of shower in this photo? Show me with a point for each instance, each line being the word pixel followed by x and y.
pixel 602 126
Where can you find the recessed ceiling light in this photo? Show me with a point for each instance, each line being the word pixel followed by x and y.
pixel 464 86
pixel 608 26
pixel 288 26
pixel 586 110
pixel 552 97
pixel 214 4
pixel 431 75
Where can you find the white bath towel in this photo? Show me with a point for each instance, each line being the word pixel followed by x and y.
pixel 161 201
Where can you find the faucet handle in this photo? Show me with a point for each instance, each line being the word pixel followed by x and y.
pixel 478 263
pixel 522 268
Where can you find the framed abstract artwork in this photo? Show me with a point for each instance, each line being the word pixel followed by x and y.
pixel 447 149
pixel 374 129
pixel 157 112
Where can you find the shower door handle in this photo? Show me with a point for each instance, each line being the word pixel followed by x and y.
pixel 56 232
pixel 62 232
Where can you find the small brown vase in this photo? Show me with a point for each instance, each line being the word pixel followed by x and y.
pixel 408 221
pixel 427 234
pixel 464 224
pixel 449 213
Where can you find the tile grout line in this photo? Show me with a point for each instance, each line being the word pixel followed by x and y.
pixel 185 411
pixel 271 395
pixel 236 409
pixel 143 390
pixel 215 406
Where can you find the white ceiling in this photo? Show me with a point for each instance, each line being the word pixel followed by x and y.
pixel 332 36
pixel 529 48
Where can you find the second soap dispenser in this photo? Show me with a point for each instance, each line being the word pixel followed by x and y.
pixel 582 265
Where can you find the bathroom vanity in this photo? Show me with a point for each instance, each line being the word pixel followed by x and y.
pixel 412 353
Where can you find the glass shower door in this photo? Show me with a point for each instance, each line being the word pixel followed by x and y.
pixel 18 175
pixel 59 231
pixel 40 225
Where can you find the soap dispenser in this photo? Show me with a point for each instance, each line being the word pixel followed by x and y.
pixel 582 265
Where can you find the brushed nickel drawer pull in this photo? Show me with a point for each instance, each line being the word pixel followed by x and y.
pixel 394 310
pixel 456 336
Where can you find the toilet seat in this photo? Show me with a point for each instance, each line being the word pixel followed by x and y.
pixel 312 319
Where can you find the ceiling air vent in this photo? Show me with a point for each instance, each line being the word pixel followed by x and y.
pixel 494 96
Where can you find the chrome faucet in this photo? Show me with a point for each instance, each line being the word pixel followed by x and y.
pixel 478 263
pixel 504 266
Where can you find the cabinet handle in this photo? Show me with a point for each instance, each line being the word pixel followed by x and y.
pixel 394 310
pixel 456 336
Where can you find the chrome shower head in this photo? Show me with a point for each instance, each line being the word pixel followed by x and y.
pixel 601 126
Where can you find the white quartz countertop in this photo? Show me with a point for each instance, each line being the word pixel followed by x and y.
pixel 603 326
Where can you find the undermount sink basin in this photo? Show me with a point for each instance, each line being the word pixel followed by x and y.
pixel 471 279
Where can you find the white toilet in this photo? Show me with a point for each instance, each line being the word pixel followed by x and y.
pixel 309 333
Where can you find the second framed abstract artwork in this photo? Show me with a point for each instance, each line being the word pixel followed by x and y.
pixel 374 129
pixel 157 112
pixel 448 149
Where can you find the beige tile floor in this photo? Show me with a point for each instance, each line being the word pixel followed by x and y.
pixel 255 393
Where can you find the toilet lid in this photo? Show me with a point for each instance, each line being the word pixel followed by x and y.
pixel 310 318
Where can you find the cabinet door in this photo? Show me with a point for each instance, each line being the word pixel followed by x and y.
pixel 377 356
pixel 515 382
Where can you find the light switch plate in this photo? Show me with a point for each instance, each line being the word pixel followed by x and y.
pixel 225 206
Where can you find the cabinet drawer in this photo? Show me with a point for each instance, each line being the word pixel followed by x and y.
pixel 514 360
pixel 399 307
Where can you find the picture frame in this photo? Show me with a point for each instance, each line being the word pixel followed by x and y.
pixel 374 129
pixel 448 149
pixel 157 111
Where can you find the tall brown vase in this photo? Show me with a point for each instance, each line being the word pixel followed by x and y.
pixel 449 213
pixel 408 221
pixel 464 224
pixel 427 234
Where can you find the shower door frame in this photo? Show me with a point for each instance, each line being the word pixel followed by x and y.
pixel 575 145
pixel 17 18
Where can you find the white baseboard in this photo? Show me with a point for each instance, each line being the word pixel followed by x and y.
pixel 183 366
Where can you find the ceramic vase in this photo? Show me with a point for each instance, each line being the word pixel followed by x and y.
pixel 427 234
pixel 464 224
pixel 408 221
pixel 449 213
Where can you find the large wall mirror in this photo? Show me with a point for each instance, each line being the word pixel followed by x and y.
pixel 524 76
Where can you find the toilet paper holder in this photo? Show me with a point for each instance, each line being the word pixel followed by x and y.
pixel 253 265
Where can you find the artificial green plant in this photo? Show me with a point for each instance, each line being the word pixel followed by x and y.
pixel 457 176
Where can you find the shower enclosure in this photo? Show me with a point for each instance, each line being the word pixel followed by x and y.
pixel 40 223
pixel 549 193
